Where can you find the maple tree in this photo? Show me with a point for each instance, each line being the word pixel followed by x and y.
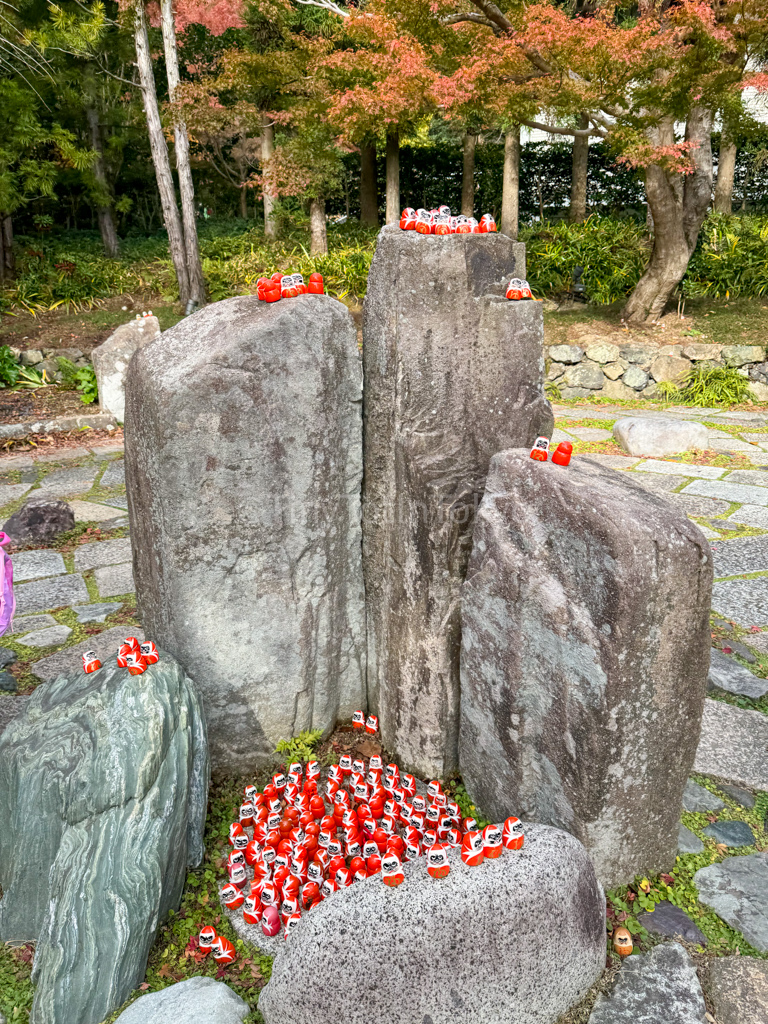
pixel 650 84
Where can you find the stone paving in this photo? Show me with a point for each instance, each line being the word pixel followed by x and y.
pixel 60 597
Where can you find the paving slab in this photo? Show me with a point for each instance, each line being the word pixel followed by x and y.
pixel 54 636
pixel 100 553
pixel 658 987
pixel 42 595
pixel 12 492
pixel 117 502
pixel 611 461
pixel 729 444
pixel 733 745
pixel 107 451
pixel 114 475
pixel 751 477
pixel 738 987
pixel 657 484
pixel 7 657
pixel 591 433
pixel 727 674
pixel 750 515
pixel 559 435
pixel 758 457
pixel 699 507
pixel 687 842
pixel 8 682
pixel 745 602
pixel 672 922
pixel 696 799
pixel 731 646
pixel 759 642
pixel 104 644
pixel 115 580
pixel 662 466
pixel 65 482
pixel 97 612
pixel 742 796
pixel 737 890
pixel 709 534
pixel 33 565
pixel 62 455
pixel 25 623
pixel 90 512
pixel 730 833
pixel 726 491
pixel 743 555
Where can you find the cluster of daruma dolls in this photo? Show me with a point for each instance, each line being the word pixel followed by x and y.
pixel 561 456
pixel 134 656
pixel 440 222
pixel 301 853
pixel 288 286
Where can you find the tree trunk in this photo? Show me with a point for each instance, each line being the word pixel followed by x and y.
pixel 159 151
pixel 468 177
pixel 267 152
pixel 393 178
pixel 679 205
pixel 243 202
pixel 369 202
pixel 318 236
pixel 7 265
pixel 181 138
pixel 510 194
pixel 578 209
pixel 726 168
pixel 104 211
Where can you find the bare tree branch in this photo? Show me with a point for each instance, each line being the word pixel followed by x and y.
pixel 326 5
pixel 577 133
pixel 494 15
pixel 477 19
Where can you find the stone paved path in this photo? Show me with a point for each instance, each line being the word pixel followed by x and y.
pixel 66 602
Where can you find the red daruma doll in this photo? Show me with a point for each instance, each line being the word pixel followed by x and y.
pixel 391 869
pixel 513 836
pixel 358 720
pixel 424 222
pixel 492 842
pixel 472 849
pixel 540 449
pixel 408 219
pixel 372 727
pixel 206 939
pixel 437 861
pixel 270 921
pixel 316 285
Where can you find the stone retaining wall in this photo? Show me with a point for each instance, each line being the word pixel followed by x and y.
pixel 597 367
pixel 48 359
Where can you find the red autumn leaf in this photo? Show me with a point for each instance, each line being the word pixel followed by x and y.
pixel 727 650
pixel 143 987
pixel 668 879
pixel 221 973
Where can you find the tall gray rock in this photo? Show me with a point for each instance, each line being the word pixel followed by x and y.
pixel 111 359
pixel 243 463
pixel 517 940
pixel 103 793
pixel 585 650
pixel 453 374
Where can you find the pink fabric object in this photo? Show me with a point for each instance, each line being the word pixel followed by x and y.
pixel 7 598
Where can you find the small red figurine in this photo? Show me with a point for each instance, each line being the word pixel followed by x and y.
pixel 90 662
pixel 149 653
pixel 270 921
pixel 472 849
pixel 540 449
pixel 562 454
pixel 437 861
pixel 372 727
pixel 513 836
pixel 316 285
pixel 206 939
pixel 391 869
pixel 492 842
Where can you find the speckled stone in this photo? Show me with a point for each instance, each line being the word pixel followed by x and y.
pixel 727 674
pixel 672 922
pixel 696 798
pixel 42 595
pixel 744 601
pixel 100 553
pixel 660 986
pixel 585 641
pixel 731 833
pixel 744 555
pixel 738 987
pixel 474 946
pixel 737 890
pixel 733 745
pixel 194 1001
pixel 688 842
pixel 103 792
pixel 741 796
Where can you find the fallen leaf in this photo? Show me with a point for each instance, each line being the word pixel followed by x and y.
pixel 668 880
pixel 143 987
pixel 721 848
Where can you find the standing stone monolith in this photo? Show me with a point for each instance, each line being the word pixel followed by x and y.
pixel 243 465
pixel 103 795
pixel 453 374
pixel 585 651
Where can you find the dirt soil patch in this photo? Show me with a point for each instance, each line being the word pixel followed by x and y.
pixel 49 444
pixel 42 403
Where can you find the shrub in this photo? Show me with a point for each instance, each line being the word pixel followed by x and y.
pixel 731 259
pixel 9 368
pixel 79 378
pixel 709 386
pixel 301 747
